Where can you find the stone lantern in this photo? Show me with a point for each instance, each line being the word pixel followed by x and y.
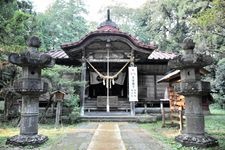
pixel 30 86
pixel 193 89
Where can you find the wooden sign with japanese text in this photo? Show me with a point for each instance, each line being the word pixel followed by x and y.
pixel 133 84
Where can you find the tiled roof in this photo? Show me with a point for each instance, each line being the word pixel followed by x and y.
pixel 159 55
pixel 176 73
pixel 169 76
pixel 156 55
pixel 58 54
pixel 109 30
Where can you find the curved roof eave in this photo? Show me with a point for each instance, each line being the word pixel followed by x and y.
pixel 133 40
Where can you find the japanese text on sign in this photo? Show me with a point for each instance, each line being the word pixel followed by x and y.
pixel 133 84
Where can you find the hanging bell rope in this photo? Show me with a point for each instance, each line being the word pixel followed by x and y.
pixel 108 81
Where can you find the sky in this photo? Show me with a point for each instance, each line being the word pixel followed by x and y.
pixel 93 6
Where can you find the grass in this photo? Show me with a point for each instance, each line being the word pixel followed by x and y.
pixel 214 125
pixel 55 135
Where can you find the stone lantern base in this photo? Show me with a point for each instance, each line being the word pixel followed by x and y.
pixel 202 141
pixel 24 140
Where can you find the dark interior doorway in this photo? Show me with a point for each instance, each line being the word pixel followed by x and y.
pixel 116 90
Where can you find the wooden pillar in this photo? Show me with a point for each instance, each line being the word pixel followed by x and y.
pixel 162 112
pixel 155 88
pixel 132 108
pixel 58 113
pixel 132 103
pixel 107 97
pixel 82 91
pixel 52 109
pixel 181 121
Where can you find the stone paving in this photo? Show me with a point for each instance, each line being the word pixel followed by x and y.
pixel 136 138
pixel 79 139
pixel 109 136
pixel 106 136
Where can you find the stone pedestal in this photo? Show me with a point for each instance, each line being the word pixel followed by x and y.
pixel 193 89
pixel 30 86
pixel 29 116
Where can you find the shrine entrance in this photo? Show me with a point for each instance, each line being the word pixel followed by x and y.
pixel 111 94
pixel 96 86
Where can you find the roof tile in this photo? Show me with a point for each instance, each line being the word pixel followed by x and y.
pixel 156 55
pixel 159 55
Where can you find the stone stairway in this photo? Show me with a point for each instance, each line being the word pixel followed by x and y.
pixel 117 117
pixel 91 105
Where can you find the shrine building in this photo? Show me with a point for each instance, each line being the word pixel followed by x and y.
pixel 105 56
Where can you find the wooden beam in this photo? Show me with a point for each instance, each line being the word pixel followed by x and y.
pixel 110 60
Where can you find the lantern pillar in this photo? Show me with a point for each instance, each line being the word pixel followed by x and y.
pixel 30 86
pixel 193 89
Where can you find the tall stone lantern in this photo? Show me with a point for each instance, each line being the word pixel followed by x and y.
pixel 193 89
pixel 30 86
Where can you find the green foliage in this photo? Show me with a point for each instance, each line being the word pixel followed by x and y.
pixel 64 77
pixel 73 103
pixel 170 22
pixel 13 29
pixel 7 74
pixel 62 22
pixel 219 84
pixel 210 22
pixel 55 74
pixel 212 16
pixel 165 22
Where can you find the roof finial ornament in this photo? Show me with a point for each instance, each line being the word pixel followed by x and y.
pixel 108 15
pixel 108 22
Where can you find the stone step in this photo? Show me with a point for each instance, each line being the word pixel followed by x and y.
pixel 141 119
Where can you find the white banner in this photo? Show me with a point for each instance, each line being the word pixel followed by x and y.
pixel 133 84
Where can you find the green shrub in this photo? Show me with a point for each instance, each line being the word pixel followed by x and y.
pixel 66 79
pixel 219 84
pixel 73 103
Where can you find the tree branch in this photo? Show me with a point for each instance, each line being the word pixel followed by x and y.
pixel 218 34
pixel 222 26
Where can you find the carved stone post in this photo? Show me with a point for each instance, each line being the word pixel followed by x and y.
pixel 193 88
pixel 30 86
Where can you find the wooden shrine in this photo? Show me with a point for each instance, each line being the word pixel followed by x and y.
pixel 105 56
pixel 177 101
